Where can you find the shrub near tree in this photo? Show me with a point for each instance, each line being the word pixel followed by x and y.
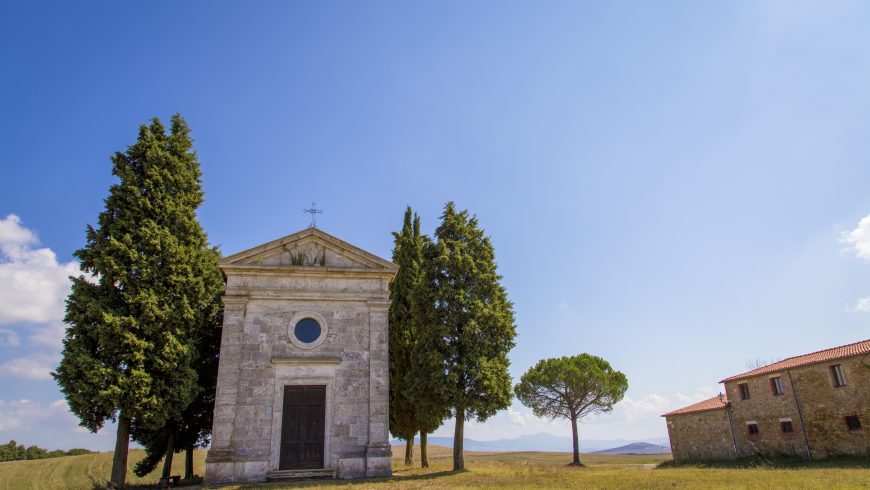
pixel 128 353
pixel 571 388
pixel 466 328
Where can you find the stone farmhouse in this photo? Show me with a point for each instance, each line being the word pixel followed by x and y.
pixel 303 378
pixel 812 406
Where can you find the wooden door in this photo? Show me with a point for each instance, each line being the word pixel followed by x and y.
pixel 302 427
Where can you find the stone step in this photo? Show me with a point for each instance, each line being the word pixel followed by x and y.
pixel 299 474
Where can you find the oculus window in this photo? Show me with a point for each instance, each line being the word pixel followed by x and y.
pixel 307 330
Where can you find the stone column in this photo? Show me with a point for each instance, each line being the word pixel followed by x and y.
pixel 378 453
pixel 219 462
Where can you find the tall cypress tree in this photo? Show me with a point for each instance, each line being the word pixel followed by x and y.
pixel 466 327
pixel 407 417
pixel 127 352
pixel 407 254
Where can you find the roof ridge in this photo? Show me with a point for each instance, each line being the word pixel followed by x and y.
pixel 773 366
pixel 816 352
pixel 702 406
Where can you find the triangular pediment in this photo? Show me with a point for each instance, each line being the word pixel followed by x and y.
pixel 309 248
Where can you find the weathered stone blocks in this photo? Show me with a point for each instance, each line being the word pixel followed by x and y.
pixel 265 291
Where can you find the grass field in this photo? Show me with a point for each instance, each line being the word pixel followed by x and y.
pixel 484 470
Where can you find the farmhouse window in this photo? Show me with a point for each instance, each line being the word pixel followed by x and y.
pixel 753 428
pixel 744 391
pixel 852 422
pixel 776 386
pixel 839 378
pixel 786 427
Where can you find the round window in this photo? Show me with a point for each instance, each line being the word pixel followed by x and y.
pixel 307 330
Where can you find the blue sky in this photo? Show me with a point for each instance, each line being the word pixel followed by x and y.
pixel 674 186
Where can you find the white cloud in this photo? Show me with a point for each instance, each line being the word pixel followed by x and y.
pixel 861 305
pixel 516 418
pixel 652 404
pixel 859 238
pixel 33 285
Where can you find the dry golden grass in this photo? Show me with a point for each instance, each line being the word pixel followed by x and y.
pixel 484 470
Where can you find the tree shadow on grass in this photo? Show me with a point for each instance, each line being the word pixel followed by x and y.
pixel 773 462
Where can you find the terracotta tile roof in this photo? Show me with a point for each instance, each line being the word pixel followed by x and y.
pixel 858 348
pixel 709 404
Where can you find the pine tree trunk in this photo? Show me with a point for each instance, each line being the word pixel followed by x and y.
pixel 424 458
pixel 119 461
pixel 170 450
pixel 188 463
pixel 576 461
pixel 409 451
pixel 458 435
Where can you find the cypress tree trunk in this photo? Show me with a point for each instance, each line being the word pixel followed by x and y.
pixel 458 435
pixel 119 461
pixel 170 450
pixel 409 451
pixel 188 463
pixel 576 461
pixel 424 458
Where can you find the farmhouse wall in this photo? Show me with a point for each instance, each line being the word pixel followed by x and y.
pixel 823 408
pixel 700 435
pixel 766 411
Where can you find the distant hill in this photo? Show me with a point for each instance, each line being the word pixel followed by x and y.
pixel 637 448
pixel 541 441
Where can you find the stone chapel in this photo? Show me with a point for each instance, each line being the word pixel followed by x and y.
pixel 303 378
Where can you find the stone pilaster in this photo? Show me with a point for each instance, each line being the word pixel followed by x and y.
pixel 219 462
pixel 379 452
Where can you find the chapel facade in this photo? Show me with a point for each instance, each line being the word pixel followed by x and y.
pixel 303 377
pixel 810 406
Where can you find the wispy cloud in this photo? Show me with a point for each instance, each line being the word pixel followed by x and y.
pixel 862 305
pixel 631 419
pixel 33 366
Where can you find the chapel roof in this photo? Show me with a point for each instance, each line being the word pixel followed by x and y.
pixel 357 255
pixel 834 353
pixel 709 404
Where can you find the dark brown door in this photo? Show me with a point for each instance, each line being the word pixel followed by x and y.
pixel 302 427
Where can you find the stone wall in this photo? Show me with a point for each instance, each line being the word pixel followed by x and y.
pixel 767 411
pixel 700 435
pixel 264 300
pixel 820 422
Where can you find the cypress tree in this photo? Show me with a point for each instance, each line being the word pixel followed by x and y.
pixel 407 417
pixel 127 353
pixel 466 327
pixel 193 428
pixel 407 254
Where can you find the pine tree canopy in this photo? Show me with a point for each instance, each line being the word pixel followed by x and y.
pixel 149 282
pixel 571 387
